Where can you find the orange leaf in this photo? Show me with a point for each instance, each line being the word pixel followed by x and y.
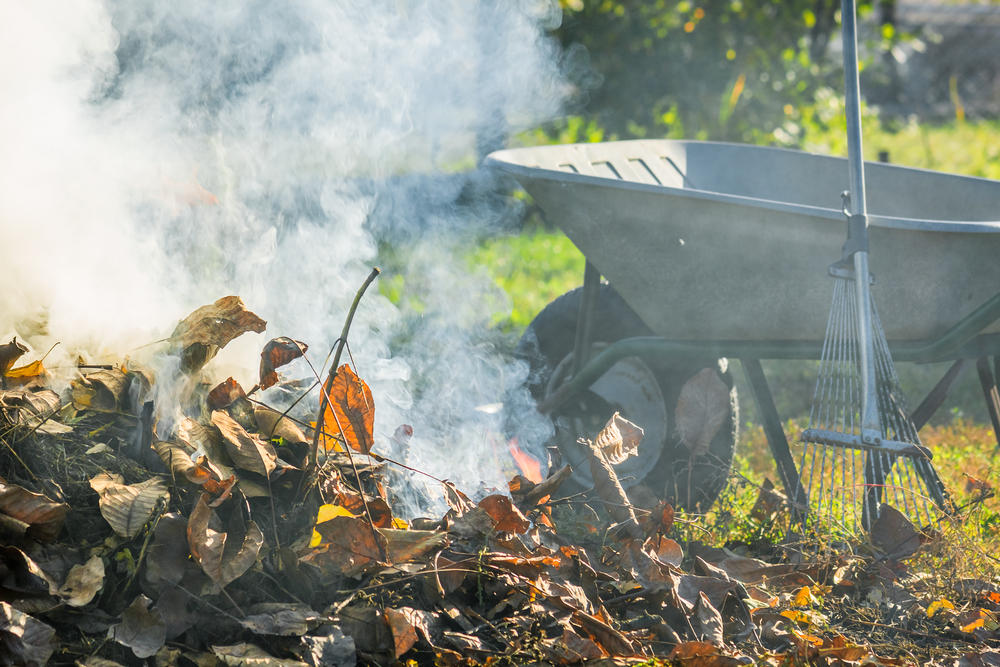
pixel 224 394
pixel 278 352
pixel 507 517
pixel 349 413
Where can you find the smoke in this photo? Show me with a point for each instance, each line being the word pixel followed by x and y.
pixel 160 155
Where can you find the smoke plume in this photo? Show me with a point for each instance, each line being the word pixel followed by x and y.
pixel 160 155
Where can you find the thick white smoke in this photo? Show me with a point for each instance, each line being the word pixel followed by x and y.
pixel 158 155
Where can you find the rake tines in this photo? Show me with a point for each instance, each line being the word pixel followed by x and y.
pixel 848 474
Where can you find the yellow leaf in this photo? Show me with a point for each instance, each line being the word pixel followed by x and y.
pixel 400 524
pixel 325 513
pixel 933 607
pixel 797 616
pixel 803 597
pixel 34 369
pixel 978 623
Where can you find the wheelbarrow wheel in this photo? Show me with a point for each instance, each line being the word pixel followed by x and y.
pixel 645 391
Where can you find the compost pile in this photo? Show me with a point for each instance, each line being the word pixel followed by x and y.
pixel 246 537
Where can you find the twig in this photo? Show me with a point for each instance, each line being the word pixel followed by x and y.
pixel 328 387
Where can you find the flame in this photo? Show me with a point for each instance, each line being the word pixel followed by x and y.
pixel 529 466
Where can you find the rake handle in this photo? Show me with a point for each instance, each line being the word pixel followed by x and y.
pixel 871 426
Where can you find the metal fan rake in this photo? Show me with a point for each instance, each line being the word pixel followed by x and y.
pixel 861 450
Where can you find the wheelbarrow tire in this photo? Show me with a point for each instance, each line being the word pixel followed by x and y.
pixel 692 483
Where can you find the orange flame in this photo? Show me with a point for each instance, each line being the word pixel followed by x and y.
pixel 529 466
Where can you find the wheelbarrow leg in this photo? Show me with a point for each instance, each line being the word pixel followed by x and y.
pixel 585 318
pixel 776 439
pixel 988 379
pixel 936 396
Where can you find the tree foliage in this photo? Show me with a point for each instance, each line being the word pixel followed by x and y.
pixel 719 69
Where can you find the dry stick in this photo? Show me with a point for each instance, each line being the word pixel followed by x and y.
pixel 328 387
pixel 325 401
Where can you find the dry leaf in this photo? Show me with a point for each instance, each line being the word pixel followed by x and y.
pixel 224 393
pixel 83 582
pixel 666 549
pixel 702 408
pixel 177 458
pixel 893 533
pixel 404 632
pixel 10 353
pixel 198 337
pixel 141 629
pixel 350 413
pixel 619 439
pixel 271 424
pixel 609 488
pixel 276 353
pixel 280 619
pixel 168 553
pixel 248 655
pixel 222 556
pixel 127 508
pixel 407 546
pixel 102 390
pixel 23 375
pixel 25 640
pixel 40 517
pixel 508 518
pixel 246 451
pixel 350 544
pixel 22 408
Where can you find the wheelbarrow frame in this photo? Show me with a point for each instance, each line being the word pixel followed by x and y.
pixel 960 343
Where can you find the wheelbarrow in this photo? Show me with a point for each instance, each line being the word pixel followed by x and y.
pixel 714 251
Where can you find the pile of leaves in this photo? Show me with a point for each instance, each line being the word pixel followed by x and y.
pixel 245 537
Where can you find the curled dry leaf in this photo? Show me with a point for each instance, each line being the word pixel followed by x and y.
pixel 24 375
pixel 702 408
pixel 127 508
pixel 271 424
pixel 247 451
pixel 619 439
pixel 10 353
pixel 21 408
pixel 25 639
pixel 223 557
pixel 199 336
pixel 102 390
pixel 141 629
pixel 40 517
pixel 349 413
pixel 83 582
pixel 276 353
pixel 224 393
pixel 609 488
pixel 177 458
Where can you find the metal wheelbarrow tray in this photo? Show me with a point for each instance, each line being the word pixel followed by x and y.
pixel 721 248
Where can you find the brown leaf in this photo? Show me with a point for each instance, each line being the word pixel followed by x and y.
pixel 248 655
pixel 276 353
pixel 666 549
pixel 508 518
pixel 768 502
pixel 407 546
pixel 572 649
pixel 709 620
pixel 246 451
pixel 701 654
pixel 222 556
pixel 702 408
pixel 101 391
pixel 271 424
pixel 404 632
pixel 141 629
pixel 619 439
pixel 22 579
pixel 21 408
pixel 224 393
pixel 378 510
pixel 893 533
pixel 42 517
pixel 168 554
pixel 25 640
pixel 83 582
pixel 198 337
pixel 610 489
pixel 127 508
pixel 177 458
pixel 280 619
pixel 10 353
pixel 350 544
pixel 349 413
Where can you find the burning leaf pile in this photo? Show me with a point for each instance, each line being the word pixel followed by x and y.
pixel 238 535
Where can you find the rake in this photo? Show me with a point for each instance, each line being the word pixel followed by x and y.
pixel 861 450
